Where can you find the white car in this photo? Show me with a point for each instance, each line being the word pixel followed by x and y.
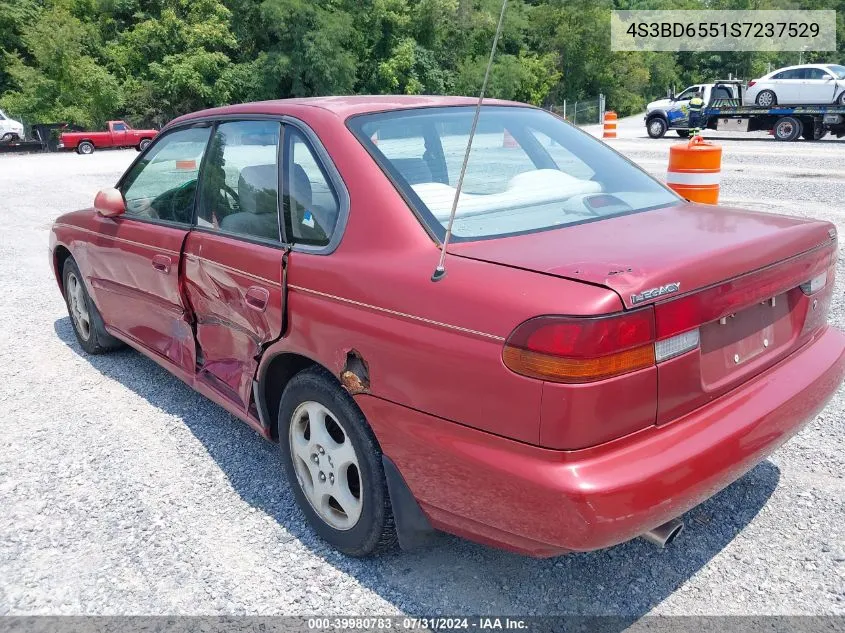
pixel 9 128
pixel 807 84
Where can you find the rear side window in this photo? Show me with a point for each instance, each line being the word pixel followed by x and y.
pixel 795 73
pixel 163 184
pixel 528 170
pixel 311 203
pixel 240 180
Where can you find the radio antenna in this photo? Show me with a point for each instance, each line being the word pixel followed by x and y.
pixel 440 271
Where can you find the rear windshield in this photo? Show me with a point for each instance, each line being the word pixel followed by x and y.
pixel 528 170
pixel 838 71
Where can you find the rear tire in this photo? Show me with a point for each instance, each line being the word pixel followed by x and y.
pixel 787 129
pixel 85 148
pixel 814 132
pixel 87 323
pixel 766 99
pixel 656 127
pixel 333 463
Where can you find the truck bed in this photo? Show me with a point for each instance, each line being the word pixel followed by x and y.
pixel 732 108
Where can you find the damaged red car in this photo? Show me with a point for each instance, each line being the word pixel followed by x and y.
pixel 600 356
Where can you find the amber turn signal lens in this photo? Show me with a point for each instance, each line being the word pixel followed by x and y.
pixel 576 370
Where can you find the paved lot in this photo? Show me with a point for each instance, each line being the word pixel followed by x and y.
pixel 122 491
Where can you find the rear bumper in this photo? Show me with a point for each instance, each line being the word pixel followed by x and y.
pixel 544 502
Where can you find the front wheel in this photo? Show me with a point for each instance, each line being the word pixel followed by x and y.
pixel 787 129
pixel 85 148
pixel 683 133
pixel 144 144
pixel 87 323
pixel 333 463
pixel 657 127
pixel 841 99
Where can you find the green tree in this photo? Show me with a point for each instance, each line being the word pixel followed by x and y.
pixel 55 78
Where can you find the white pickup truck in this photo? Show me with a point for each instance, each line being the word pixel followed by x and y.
pixel 673 112
pixel 10 130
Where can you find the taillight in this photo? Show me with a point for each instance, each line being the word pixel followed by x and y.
pixel 581 349
pixel 751 83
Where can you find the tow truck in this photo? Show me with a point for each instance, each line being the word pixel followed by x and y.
pixel 724 111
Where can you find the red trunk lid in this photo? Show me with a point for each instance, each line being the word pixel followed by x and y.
pixel 693 245
pixel 732 275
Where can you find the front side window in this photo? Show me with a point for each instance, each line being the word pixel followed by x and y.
pixel 119 127
pixel 687 94
pixel 528 170
pixel 163 184
pixel 311 204
pixel 240 180
pixel 816 74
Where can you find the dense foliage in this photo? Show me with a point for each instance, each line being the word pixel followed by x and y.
pixel 84 61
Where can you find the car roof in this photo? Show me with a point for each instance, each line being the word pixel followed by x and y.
pixel 774 72
pixel 342 106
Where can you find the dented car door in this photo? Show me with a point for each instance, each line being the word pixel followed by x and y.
pixel 233 256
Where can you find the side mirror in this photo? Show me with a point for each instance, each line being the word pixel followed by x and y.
pixel 109 203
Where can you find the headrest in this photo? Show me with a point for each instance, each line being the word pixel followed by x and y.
pixel 414 170
pixel 258 189
pixel 301 187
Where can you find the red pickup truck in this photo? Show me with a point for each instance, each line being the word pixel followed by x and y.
pixel 119 134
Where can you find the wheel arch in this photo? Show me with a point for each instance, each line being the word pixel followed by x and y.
pixel 60 255
pixel 351 372
pixel 274 373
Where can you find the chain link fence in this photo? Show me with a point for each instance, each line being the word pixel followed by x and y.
pixel 581 111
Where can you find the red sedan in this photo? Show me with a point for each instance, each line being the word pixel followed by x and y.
pixel 600 356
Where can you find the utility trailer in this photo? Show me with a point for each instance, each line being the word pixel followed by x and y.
pixel 786 123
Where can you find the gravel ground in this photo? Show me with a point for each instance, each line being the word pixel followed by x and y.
pixel 124 492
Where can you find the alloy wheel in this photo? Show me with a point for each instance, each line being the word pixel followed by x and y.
pixel 326 465
pixel 78 306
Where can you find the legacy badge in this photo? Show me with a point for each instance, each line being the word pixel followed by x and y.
pixel 653 293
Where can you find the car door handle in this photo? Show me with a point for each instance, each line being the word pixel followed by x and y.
pixel 257 298
pixel 161 263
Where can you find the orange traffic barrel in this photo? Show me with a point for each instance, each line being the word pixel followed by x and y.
pixel 609 124
pixel 694 170
pixel 508 140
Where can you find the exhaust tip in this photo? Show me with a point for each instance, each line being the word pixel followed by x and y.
pixel 663 535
